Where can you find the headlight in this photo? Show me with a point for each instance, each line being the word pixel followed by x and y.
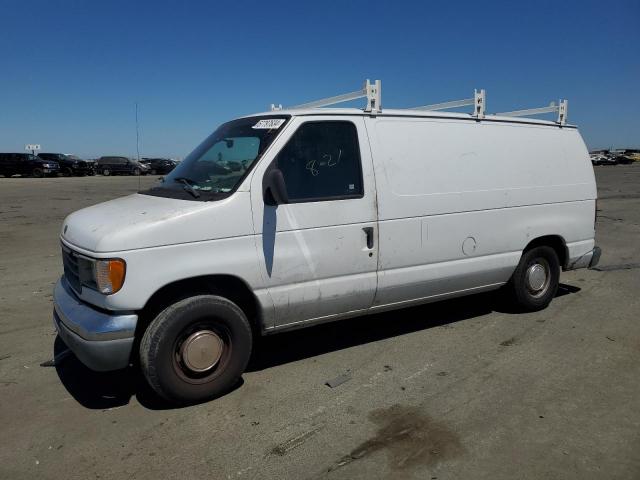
pixel 106 276
pixel 109 275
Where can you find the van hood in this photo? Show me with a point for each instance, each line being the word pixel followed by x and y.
pixel 144 221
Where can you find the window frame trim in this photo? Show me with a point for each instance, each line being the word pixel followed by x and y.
pixel 332 197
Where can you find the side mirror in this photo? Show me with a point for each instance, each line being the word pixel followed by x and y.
pixel 274 190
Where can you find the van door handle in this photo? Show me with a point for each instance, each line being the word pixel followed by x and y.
pixel 369 232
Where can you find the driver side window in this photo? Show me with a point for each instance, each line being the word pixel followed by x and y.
pixel 321 161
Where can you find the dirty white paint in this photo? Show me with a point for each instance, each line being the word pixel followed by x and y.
pixel 452 204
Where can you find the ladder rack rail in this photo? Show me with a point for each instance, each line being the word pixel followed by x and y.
pixel 561 109
pixel 478 101
pixel 445 105
pixel 372 92
pixel 332 100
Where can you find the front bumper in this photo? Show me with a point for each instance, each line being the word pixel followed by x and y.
pixel 101 340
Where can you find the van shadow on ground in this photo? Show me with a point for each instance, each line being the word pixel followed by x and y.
pixel 296 345
pixel 104 390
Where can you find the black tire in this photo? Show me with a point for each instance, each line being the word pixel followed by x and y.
pixel 37 172
pixel 106 172
pixel 135 171
pixel 153 171
pixel 164 363
pixel 525 288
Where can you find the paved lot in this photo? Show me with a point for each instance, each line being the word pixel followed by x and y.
pixel 461 389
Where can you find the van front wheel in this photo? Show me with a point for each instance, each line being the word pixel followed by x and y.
pixel 534 283
pixel 196 349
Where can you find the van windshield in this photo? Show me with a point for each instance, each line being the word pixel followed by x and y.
pixel 217 166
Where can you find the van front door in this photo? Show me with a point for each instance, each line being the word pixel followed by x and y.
pixel 318 254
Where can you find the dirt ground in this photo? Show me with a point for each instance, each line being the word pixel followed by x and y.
pixel 454 390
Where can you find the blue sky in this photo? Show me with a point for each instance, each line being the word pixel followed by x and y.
pixel 70 72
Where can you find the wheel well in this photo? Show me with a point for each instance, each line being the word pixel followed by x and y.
pixel 554 241
pixel 228 286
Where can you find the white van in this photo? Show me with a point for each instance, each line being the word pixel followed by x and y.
pixel 293 217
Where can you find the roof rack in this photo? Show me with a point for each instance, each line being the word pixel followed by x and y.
pixel 373 93
pixel 552 108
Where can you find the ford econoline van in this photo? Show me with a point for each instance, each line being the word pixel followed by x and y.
pixel 294 217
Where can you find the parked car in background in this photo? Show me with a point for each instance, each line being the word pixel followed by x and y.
pixel 120 166
pixel 606 159
pixel 70 165
pixel 623 160
pixel 599 160
pixel 614 157
pixel 92 164
pixel 26 164
pixel 159 166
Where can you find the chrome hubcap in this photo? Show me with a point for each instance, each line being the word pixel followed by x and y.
pixel 537 278
pixel 201 351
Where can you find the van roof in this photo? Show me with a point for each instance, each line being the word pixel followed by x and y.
pixel 389 112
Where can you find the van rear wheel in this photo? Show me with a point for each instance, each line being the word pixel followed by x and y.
pixel 534 283
pixel 196 349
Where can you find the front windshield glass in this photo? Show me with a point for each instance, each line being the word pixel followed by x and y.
pixel 218 165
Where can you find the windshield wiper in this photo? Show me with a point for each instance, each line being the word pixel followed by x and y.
pixel 187 182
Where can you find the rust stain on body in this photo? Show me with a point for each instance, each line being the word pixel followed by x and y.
pixel 409 437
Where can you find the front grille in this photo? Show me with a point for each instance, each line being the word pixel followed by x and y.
pixel 71 268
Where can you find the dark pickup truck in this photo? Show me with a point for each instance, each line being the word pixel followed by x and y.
pixel 70 164
pixel 27 164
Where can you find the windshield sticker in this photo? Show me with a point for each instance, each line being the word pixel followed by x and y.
pixel 269 123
